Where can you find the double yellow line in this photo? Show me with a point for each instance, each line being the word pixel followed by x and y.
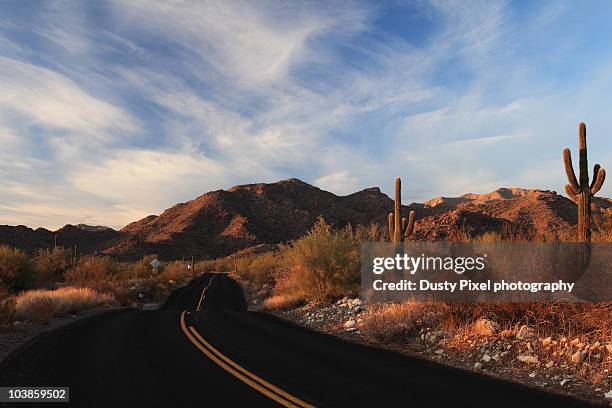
pixel 203 294
pixel 244 375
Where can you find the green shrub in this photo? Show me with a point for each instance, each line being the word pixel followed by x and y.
pixel 258 269
pixel 16 271
pixel 323 264
pixel 50 264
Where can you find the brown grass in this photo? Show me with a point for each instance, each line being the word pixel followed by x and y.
pixel 402 320
pixel 283 302
pixel 41 305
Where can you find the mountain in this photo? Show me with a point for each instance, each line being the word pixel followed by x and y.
pixel 254 216
pixel 513 211
pixel 88 240
pixel 221 222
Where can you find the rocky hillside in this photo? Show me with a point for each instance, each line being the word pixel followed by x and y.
pixel 509 211
pixel 223 222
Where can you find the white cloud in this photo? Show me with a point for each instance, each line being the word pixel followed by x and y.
pixel 341 182
pixel 51 100
pixel 148 180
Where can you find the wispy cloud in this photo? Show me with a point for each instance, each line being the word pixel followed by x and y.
pixel 113 110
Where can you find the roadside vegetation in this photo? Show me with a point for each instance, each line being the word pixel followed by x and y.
pixel 51 283
pixel 324 266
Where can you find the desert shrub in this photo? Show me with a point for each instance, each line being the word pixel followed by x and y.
pixel 41 305
pixel 176 271
pixel 321 265
pixel 7 306
pixel 227 264
pixel 205 266
pixel 140 269
pixel 371 233
pixel 50 264
pixel 258 269
pixel 91 269
pixel 16 271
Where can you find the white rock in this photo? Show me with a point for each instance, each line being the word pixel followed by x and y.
pixel 439 351
pixel 486 358
pixel 532 375
pixel 528 359
pixel 349 324
pixel 564 381
pixel 477 366
pixel 608 395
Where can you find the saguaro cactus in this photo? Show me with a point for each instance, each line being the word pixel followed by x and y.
pixel 580 191
pixel 399 228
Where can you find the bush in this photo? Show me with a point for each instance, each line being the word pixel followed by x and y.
pixel 258 269
pixel 176 271
pixel 16 272
pixel 141 269
pixel 7 307
pixel 92 269
pixel 41 305
pixel 321 265
pixel 50 264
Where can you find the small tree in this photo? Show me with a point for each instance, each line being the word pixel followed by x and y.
pixel 50 264
pixel 16 272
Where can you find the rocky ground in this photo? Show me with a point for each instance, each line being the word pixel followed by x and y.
pixel 557 364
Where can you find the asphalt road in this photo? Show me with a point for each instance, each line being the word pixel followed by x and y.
pixel 203 349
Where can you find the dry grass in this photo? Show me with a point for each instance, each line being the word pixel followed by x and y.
pixel 283 302
pixel 402 320
pixel 41 305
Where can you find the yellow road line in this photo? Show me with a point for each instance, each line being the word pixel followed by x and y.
pixel 239 372
pixel 203 294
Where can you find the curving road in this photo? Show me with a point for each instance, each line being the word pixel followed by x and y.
pixel 203 349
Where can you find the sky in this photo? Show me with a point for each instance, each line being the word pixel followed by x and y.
pixel 114 110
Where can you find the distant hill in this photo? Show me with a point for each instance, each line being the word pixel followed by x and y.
pixel 223 222
pixel 88 239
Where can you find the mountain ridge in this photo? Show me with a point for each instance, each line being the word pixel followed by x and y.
pixel 221 222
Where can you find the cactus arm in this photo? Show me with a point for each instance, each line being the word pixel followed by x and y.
pixel 410 226
pixel 583 161
pixel 570 192
pixel 598 182
pixel 569 170
pixel 404 225
pixel 391 227
pixel 595 171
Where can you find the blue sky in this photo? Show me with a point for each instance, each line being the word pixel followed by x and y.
pixel 113 110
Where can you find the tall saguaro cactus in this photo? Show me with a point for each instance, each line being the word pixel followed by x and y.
pixel 399 228
pixel 580 191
